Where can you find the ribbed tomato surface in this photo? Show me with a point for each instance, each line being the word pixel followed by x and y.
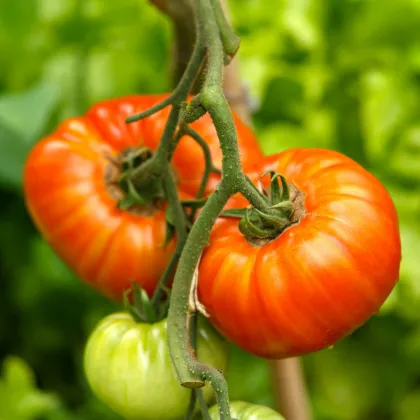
pixel 128 366
pixel 71 204
pixel 321 278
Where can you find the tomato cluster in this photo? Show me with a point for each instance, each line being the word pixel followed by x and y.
pixel 324 273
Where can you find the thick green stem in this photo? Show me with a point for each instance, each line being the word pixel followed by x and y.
pixel 207 23
pixel 180 227
pixel 219 111
pixel 230 40
pixel 214 101
pixel 191 372
pixel 213 36
pixel 218 108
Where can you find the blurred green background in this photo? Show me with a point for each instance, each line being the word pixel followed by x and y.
pixel 342 74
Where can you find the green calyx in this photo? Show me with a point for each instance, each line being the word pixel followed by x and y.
pixel 140 306
pixel 134 158
pixel 131 162
pixel 257 224
pixel 285 207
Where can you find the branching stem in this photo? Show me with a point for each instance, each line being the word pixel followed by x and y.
pixel 229 39
pixel 152 169
pixel 215 41
pixel 191 372
pixel 209 167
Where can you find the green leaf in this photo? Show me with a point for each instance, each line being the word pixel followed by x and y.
pixel 27 113
pixel 300 19
pixel 13 151
pixel 408 408
pixel 22 119
pixel 19 397
pixel 406 154
pixel 283 100
pixel 282 136
pixel 387 103
pixel 17 374
pixel 408 287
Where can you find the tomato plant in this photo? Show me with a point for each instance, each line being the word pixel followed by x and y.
pixel 241 410
pixel 319 278
pixel 71 185
pixel 128 366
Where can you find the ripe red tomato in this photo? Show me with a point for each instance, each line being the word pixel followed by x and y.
pixel 68 191
pixel 319 279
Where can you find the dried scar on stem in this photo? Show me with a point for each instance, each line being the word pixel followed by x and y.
pixel 194 303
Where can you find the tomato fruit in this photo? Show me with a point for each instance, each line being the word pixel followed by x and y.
pixel 128 367
pixel 241 410
pixel 320 278
pixel 71 194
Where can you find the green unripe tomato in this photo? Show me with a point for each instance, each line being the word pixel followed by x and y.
pixel 241 410
pixel 128 367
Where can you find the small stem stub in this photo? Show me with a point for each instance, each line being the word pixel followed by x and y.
pixel 142 308
pixel 286 208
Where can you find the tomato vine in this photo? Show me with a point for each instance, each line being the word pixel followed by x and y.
pixel 217 44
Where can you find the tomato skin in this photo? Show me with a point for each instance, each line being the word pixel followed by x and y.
pixel 320 279
pixel 109 117
pixel 68 200
pixel 128 366
pixel 241 410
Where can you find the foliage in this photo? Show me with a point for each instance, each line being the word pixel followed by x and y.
pixel 19 397
pixel 343 75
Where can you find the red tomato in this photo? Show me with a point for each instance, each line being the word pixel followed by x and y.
pixel 67 191
pixel 318 280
